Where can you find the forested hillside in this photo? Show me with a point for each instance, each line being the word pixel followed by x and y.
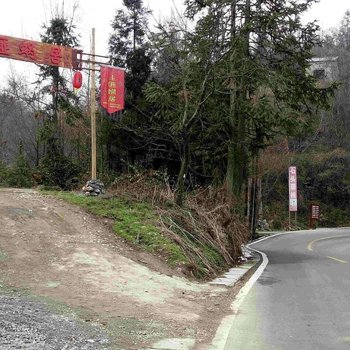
pixel 322 156
pixel 219 103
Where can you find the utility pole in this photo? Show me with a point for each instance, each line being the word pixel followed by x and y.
pixel 93 108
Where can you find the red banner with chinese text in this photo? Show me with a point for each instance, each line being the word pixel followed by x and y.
pixel 37 52
pixel 112 88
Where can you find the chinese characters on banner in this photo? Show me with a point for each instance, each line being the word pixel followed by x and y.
pixel 112 88
pixel 293 192
pixel 38 52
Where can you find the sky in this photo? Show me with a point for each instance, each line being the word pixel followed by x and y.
pixel 24 18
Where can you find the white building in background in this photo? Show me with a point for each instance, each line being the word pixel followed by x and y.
pixel 325 69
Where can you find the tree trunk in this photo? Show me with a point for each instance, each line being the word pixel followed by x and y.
pixel 236 167
pixel 180 185
pixel 237 158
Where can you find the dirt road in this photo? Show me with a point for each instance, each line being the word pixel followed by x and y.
pixel 71 265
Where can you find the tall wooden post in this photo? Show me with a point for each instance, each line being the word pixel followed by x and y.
pixel 93 108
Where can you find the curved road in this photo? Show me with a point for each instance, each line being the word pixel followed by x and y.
pixel 302 299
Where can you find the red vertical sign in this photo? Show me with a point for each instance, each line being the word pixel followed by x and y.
pixel 293 190
pixel 112 88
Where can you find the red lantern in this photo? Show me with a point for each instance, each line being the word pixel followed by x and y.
pixel 77 80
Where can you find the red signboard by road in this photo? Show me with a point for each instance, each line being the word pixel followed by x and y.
pixel 315 212
pixel 112 88
pixel 293 190
pixel 38 52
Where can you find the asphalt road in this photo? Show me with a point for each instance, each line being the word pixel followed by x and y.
pixel 302 299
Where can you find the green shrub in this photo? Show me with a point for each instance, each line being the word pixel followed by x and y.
pixel 56 169
pixel 3 174
pixel 20 173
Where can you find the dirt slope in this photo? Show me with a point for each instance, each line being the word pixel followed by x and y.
pixel 58 251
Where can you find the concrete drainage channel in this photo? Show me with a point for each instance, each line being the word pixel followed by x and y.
pixel 229 279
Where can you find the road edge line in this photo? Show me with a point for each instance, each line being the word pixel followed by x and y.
pixel 221 335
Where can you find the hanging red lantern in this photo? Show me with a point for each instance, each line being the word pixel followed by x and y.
pixel 77 80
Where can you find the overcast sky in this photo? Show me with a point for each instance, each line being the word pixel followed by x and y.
pixel 24 18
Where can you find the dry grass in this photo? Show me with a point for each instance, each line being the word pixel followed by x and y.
pixel 206 228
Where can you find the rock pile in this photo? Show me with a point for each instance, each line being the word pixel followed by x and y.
pixel 246 254
pixel 94 188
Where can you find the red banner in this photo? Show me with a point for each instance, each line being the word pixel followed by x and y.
pixel 112 88
pixel 38 52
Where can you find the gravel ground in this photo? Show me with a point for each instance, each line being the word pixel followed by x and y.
pixel 30 325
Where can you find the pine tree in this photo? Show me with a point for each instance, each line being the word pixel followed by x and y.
pixel 59 31
pixel 3 173
pixel 128 47
pixel 343 38
pixel 245 68
pixel 57 167
pixel 20 174
pixel 265 57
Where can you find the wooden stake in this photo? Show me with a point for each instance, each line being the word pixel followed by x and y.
pixel 289 220
pixel 93 108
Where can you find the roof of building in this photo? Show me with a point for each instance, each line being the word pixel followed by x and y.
pixel 324 59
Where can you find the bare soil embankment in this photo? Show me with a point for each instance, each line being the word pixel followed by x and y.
pixel 57 252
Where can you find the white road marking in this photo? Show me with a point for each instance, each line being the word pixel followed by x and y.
pixel 222 332
pixel 336 259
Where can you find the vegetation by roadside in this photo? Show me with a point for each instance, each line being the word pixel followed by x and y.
pixel 323 179
pixel 200 125
pixel 134 221
pixel 202 238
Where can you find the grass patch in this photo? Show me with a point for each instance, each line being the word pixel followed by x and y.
pixel 3 256
pixel 134 221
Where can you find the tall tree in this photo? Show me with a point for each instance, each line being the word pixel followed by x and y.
pixel 343 37
pixel 243 75
pixel 21 108
pixel 63 107
pixel 128 46
pixel 182 94
pixel 129 49
pixel 59 31
pixel 267 54
pixel 334 127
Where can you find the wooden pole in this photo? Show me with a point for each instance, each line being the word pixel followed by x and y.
pixel 289 220
pixel 93 108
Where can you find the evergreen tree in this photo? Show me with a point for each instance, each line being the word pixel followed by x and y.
pixel 334 128
pixel 243 73
pixel 64 106
pixel 3 173
pixel 343 37
pixel 20 174
pixel 129 49
pixel 128 46
pixel 59 31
